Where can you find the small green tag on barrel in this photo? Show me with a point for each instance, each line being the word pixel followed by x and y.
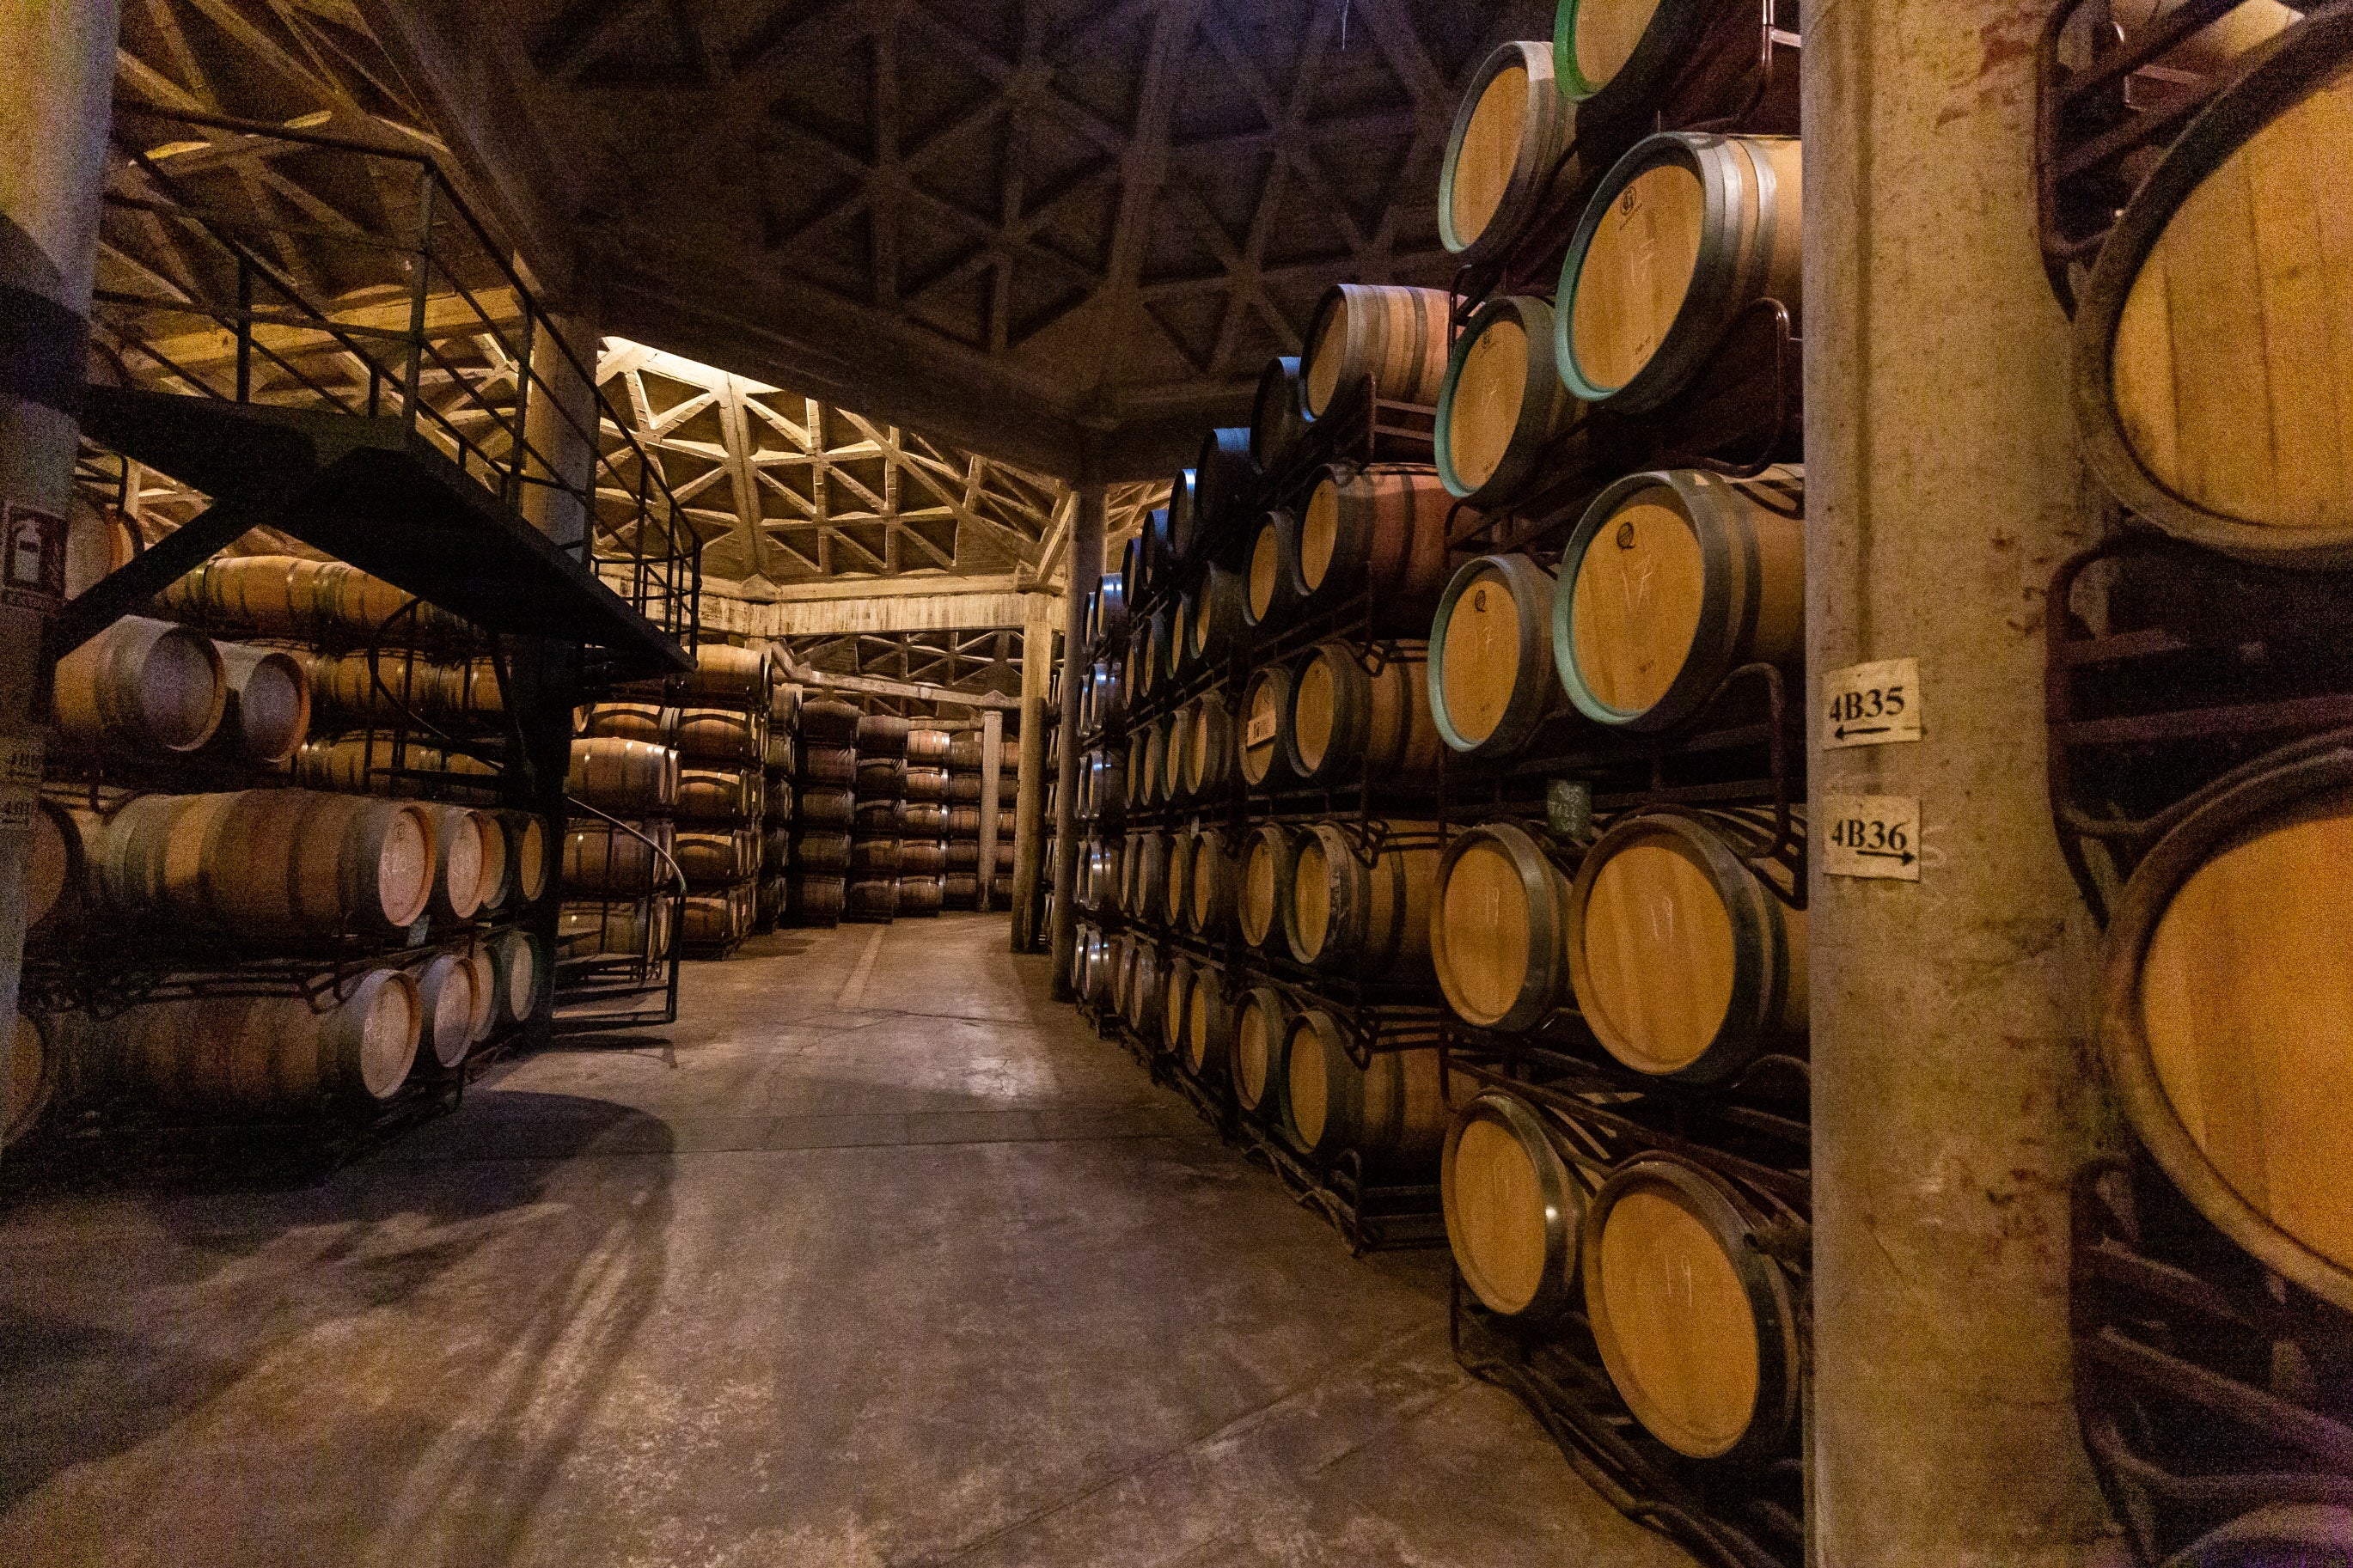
pixel 1568 808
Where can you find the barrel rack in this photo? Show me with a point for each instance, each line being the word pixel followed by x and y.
pixel 346 357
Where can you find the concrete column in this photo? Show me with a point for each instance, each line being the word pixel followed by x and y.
pixel 1086 570
pixel 56 77
pixel 560 427
pixel 992 747
pixel 1030 799
pixel 1952 1094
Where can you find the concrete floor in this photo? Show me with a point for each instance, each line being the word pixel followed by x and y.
pixel 877 1257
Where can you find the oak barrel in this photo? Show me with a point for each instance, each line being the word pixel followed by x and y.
pixel 1225 496
pixel 1278 418
pixel 1514 1207
pixel 1692 1318
pixel 1214 626
pixel 929 747
pixel 1492 687
pixel 1389 335
pixel 1676 579
pixel 1498 925
pixel 921 894
pixel 1177 733
pixel 499 871
pixel 1270 575
pixel 1263 752
pixel 873 898
pixel 1349 723
pixel 1615 59
pixel 648 722
pixel 922 857
pixel 1363 908
pixel 2209 377
pixel 2225 991
pixel 1176 995
pixel 445 1008
pixel 32 1077
pixel 1151 884
pixel 1215 886
pixel 830 721
pixel 458 862
pixel 829 766
pixel 1509 135
pixel 623 777
pixel 1391 1111
pixel 1380 529
pixel 143 685
pixel 828 807
pixel 57 864
pixel 735 676
pixel 627 860
pixel 1261 1037
pixel 713 795
pixel 287 864
pixel 1176 880
pixel 926 784
pixel 268 701
pixel 1269 857
pixel 1503 410
pixel 264 1054
pixel 1210 759
pixel 1207 1051
pixel 814 899
pixel 1684 233
pixel 723 736
pixel 1684 964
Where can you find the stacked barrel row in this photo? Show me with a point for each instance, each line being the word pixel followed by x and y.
pixel 776 817
pixel 160 876
pixel 819 878
pixel 923 824
pixel 722 741
pixel 965 873
pixel 875 855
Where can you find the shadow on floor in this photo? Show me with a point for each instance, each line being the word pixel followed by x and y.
pixel 402 1354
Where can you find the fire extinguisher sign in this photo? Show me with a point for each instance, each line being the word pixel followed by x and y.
pixel 33 567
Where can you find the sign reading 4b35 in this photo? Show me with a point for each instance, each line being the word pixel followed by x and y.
pixel 1871 704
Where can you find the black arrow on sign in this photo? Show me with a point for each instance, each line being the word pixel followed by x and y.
pixel 1842 731
pixel 1905 855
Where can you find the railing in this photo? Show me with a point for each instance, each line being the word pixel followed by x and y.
pixel 272 266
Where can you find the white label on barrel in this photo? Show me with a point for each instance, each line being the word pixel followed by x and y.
pixel 1260 730
pixel 17 808
pixel 1873 704
pixel 1870 836
pixel 20 759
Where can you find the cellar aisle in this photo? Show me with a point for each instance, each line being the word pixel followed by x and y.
pixel 877 1257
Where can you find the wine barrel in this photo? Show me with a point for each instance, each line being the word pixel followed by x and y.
pixel 1492 687
pixel 1678 579
pixel 266 704
pixel 829 766
pixel 642 931
pixel 1370 919
pixel 929 748
pixel 458 862
pixel 516 964
pixel 1099 696
pixel 485 974
pixel 964 855
pixel 1693 1318
pixel 1278 418
pixel 1270 578
pixel 1111 611
pixel 1155 763
pixel 1099 875
pixel 814 900
pixel 1210 767
pixel 143 685
pixel 624 860
pixel 720 736
pixel 271 1054
pixel 1176 879
pixel 783 706
pixel 1391 1111
pixel 883 735
pixel 964 821
pixel 960 889
pixel 1215 888
pixel 712 860
pixel 830 721
pixel 776 799
pixel 716 921
pixel 1221 624
pixel 527 856
pixel 732 675
pixel 1686 965
pixel 875 859
pixel 2224 990
pixel 873 898
pixel 922 857
pixel 1263 751
pixel 965 788
pixel 1176 732
pixel 1514 1207
pixel 445 1008
pixel 1157 536
pixel 1207 1048
pixel 1270 859
pixel 1503 410
pixel 623 777
pixel 57 866
pixel 1150 888
pixel 1147 972
pixel 2276 1535
pixel 498 871
pixel 278 863
pixel 1497 925
pixel 1377 529
pixel 712 794
pixel 32 1078
pixel 1142 665
pixel 1348 724
pixel 828 807
pixel 924 819
pixel 881 778
pixel 1103 786
pixel 1389 335
pixel 926 784
pixel 921 895
pixel 1226 481
pixel 1684 232
pixel 1261 1036
pixel 2217 304
pixel 1176 995
pixel 1500 165
pixel 648 722
pixel 777 756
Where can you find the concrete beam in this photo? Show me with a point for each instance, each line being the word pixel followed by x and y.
pixel 842 617
pixel 908 691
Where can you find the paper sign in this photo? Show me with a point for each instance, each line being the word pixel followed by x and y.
pixel 1869 835
pixel 1873 704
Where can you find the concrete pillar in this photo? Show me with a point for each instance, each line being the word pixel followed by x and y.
pixel 1952 1095
pixel 1029 800
pixel 992 747
pixel 560 428
pixel 1086 570
pixel 57 78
